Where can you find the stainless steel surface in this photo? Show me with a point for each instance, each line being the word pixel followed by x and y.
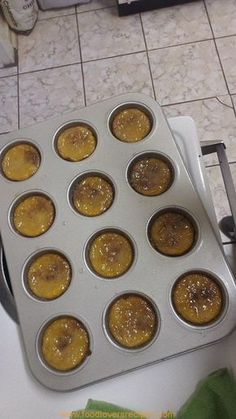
pixel 88 296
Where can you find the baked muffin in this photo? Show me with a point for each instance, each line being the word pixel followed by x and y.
pixel 110 254
pixel 49 276
pixel 131 125
pixel 172 233
pixel 33 215
pixel 92 196
pixel 132 321
pixel 20 162
pixel 150 176
pixel 76 142
pixel 65 344
pixel 197 298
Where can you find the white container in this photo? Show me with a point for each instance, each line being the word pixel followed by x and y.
pixel 21 15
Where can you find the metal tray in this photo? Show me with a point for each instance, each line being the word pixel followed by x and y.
pixel 152 274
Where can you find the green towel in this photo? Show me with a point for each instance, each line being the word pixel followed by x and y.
pixel 97 409
pixel 214 398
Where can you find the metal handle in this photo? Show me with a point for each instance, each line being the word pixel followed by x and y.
pixel 6 296
pixel 218 147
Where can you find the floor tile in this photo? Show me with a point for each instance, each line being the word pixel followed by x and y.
pixel 222 16
pixel 187 72
pixel 8 71
pixel 46 14
pixel 230 253
pixel 219 196
pixel 104 34
pixel 47 93
pixel 8 104
pixel 50 44
pixel 227 52
pixel 215 120
pixel 176 25
pixel 95 4
pixel 113 76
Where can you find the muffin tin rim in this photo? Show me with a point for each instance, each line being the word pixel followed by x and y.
pixel 19 141
pixel 105 327
pixel 97 233
pixel 198 240
pixel 138 155
pixel 38 344
pixel 225 305
pixel 132 104
pixel 31 258
pixel 69 123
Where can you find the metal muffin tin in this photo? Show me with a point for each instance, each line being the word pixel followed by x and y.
pixel 151 274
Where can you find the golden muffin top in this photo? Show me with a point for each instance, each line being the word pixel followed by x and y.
pixel 20 162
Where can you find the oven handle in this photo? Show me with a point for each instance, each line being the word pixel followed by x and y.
pixel 219 147
pixel 6 297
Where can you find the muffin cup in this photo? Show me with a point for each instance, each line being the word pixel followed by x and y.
pixel 32 259
pixel 72 124
pixel 39 340
pixel 147 155
pixel 109 335
pixel 12 144
pixel 21 199
pixel 99 233
pixel 83 176
pixel 218 318
pixel 147 111
pixel 186 214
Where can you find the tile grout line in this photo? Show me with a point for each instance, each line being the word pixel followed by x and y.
pixel 55 17
pixel 148 59
pixel 75 63
pixel 18 101
pixel 112 56
pixel 116 56
pixel 95 10
pixel 18 84
pixel 220 62
pixel 81 58
pixel 119 55
pixel 224 104
pixel 75 13
pixel 181 44
pixel 192 100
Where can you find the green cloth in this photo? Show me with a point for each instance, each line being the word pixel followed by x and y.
pixel 97 409
pixel 214 398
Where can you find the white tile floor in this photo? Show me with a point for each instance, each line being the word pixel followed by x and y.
pixel 184 56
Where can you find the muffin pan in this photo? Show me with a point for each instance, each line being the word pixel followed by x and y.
pixel 151 274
